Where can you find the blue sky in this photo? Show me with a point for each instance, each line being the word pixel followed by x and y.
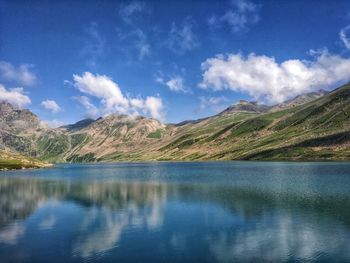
pixel 171 60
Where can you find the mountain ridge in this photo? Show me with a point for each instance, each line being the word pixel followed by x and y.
pixel 245 130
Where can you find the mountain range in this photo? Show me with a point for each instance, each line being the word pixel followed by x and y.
pixel 313 126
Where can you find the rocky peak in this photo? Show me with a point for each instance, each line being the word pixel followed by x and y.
pixel 7 111
pixel 17 118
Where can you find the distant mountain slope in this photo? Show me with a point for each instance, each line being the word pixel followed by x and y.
pixel 312 126
pixel 246 106
pixel 300 99
pixel 78 125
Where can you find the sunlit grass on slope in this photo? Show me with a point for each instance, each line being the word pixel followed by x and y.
pixel 9 161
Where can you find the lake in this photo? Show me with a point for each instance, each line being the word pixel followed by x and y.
pixel 177 212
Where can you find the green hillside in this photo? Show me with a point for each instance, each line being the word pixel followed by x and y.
pixel 318 130
pixel 10 161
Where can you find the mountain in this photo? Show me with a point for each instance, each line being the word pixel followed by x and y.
pixel 246 106
pixel 18 121
pixel 300 99
pixel 313 126
pixel 100 140
pixel 19 129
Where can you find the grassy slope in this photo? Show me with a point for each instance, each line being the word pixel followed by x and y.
pixel 318 130
pixel 10 160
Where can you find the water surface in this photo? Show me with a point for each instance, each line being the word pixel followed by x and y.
pixel 177 212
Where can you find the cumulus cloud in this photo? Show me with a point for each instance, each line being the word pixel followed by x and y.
pixel 112 99
pixel 104 88
pixel 15 96
pixel 154 105
pixel 18 75
pixel 240 15
pixel 182 38
pixel 265 79
pixel 344 35
pixel 51 105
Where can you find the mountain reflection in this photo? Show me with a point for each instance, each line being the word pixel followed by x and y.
pixel 232 223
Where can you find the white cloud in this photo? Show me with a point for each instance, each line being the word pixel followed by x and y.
pixel 51 105
pixel 94 45
pixel 215 103
pixel 241 15
pixel 91 110
pixel 154 106
pixel 20 75
pixel 15 96
pixel 174 83
pixel 102 87
pixel 112 99
pixel 263 78
pixel 182 38
pixel 128 12
pixel 344 35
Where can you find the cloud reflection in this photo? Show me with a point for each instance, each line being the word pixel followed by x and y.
pixel 140 206
pixel 48 223
pixel 11 233
pixel 279 237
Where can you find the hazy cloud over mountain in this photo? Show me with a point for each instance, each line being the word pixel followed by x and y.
pixel 15 96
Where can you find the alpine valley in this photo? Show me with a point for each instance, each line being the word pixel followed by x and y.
pixel 313 126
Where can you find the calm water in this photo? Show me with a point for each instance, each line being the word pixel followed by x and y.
pixel 177 212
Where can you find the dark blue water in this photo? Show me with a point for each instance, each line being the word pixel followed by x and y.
pixel 177 212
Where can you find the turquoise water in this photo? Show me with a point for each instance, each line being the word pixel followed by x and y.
pixel 177 212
